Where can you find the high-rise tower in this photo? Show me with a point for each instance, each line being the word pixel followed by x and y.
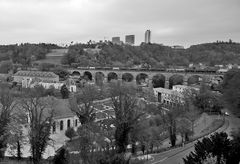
pixel 130 39
pixel 148 36
pixel 116 40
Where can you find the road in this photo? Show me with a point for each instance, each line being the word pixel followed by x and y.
pixel 175 156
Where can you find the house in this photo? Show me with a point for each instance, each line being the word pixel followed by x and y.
pixel 64 117
pixel 184 88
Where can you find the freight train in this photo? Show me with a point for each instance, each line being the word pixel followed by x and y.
pixel 196 70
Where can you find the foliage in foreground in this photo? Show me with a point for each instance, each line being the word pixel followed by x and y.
pixel 217 148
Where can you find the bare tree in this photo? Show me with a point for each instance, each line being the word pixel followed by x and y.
pixel 124 102
pixel 40 118
pixel 183 127
pixel 107 130
pixel 16 128
pixel 180 108
pixel 174 110
pixel 83 105
pixel 190 109
pixel 7 105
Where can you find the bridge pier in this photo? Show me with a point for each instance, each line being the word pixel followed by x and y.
pixel 166 85
pixel 105 80
pixel 185 83
pixel 150 83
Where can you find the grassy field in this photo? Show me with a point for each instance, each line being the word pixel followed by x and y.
pixel 54 57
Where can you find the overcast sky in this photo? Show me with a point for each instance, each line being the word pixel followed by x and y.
pixel 172 22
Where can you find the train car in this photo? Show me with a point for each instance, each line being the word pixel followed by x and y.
pixel 180 70
pixel 91 67
pixel 124 68
pixel 161 69
pixel 106 68
pixel 82 67
pixel 189 69
pixel 115 68
pixel 144 69
pixel 222 70
pixel 134 69
pixel 157 69
pixel 170 69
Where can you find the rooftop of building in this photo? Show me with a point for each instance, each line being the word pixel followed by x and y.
pixel 62 109
pixel 36 74
pixel 68 82
pixel 163 90
pixel 186 86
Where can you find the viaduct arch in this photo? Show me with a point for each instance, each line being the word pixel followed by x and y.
pixel 153 78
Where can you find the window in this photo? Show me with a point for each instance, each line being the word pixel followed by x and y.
pixel 159 97
pixel 61 125
pixel 76 122
pixel 54 127
pixel 68 123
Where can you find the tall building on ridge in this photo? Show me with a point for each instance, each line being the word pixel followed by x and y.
pixel 130 39
pixel 116 40
pixel 148 36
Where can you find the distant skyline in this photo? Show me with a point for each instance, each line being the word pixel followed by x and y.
pixel 172 22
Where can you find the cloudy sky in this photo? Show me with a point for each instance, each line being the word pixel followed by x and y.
pixel 172 22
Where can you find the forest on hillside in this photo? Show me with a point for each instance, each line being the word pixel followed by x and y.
pixel 154 55
pixel 109 55
pixel 22 54
pixel 25 53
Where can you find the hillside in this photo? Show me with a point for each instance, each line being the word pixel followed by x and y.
pixel 25 53
pixel 54 56
pixel 215 53
pixel 155 55
pixel 107 54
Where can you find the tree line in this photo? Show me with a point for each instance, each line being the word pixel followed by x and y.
pixel 154 55
pixel 25 53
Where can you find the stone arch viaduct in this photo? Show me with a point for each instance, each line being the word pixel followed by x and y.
pixel 208 77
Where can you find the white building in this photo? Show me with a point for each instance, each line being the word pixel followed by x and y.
pixel 171 96
pixel 167 96
pixel 32 82
pixel 184 88
pixel 63 118
pixel 148 36
pixel 229 66
pixel 222 70
pixel 23 75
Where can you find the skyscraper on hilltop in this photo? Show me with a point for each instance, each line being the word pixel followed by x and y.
pixel 130 39
pixel 148 36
